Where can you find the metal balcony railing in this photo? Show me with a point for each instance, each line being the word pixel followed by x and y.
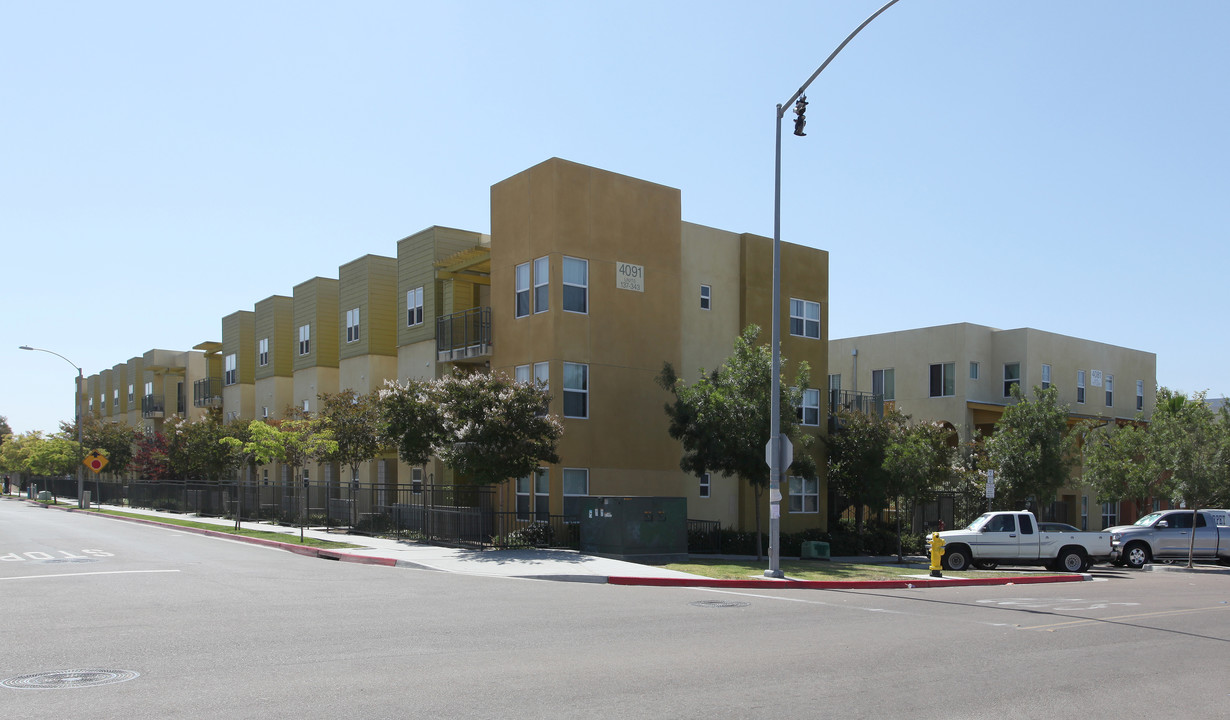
pixel 464 336
pixel 207 392
pixel 152 406
pixel 854 401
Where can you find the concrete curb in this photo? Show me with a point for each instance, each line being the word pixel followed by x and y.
pixel 906 583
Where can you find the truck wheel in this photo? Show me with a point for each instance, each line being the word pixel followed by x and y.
pixel 1071 560
pixel 985 565
pixel 955 559
pixel 1136 555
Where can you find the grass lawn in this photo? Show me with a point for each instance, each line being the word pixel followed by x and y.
pixel 817 570
pixel 230 530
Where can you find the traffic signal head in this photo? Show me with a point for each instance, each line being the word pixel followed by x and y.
pixel 800 121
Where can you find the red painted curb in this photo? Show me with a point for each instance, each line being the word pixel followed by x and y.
pixel 842 584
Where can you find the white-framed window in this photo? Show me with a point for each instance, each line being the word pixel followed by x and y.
pixel 542 374
pixel 1012 376
pixel 1080 387
pixel 804 318
pixel 1110 391
pixel 942 380
pixel 1046 376
pixel 521 373
pixel 884 383
pixel 521 280
pixel 835 381
pixel 1140 394
pixel 576 285
pixel 89 403
pixel 264 411
pixel 305 339
pixel 230 373
pixel 576 390
pixel 149 389
pixel 804 495
pixel 352 325
pixel 542 285
pixel 706 297
pixel 576 486
pixel 1084 512
pixel 115 397
pixel 1110 514
pixel 307 407
pixel 973 370
pixel 130 395
pixel 706 485
pixel 534 496
pixel 809 411
pixel 414 307
pixel 262 352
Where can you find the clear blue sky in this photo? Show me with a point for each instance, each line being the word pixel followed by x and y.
pixel 1044 163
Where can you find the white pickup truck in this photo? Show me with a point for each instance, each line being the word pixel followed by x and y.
pixel 1167 535
pixel 1015 538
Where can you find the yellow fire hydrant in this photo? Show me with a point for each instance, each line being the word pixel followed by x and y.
pixel 937 549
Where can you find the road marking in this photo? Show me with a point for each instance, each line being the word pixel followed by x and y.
pixel 804 601
pixel 1088 621
pixel 107 572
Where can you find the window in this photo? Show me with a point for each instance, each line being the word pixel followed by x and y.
pixel 130 388
pixel 706 296
pixel 1012 376
pixel 262 352
pixel 705 485
pixel 973 370
pixel 943 381
pixel 264 411
pixel 804 318
pixel 306 406
pixel 305 339
pixel 576 390
pixel 534 491
pixel 352 325
pixel 576 486
pixel 1110 391
pixel 884 383
pixel 149 388
pixel 809 411
pixel 1046 376
pixel 1080 387
pixel 115 398
pixel 414 307
pixel 542 280
pixel 416 480
pixel 542 374
pixel 521 373
pixel 1084 512
pixel 229 377
pixel 521 276
pixel 1140 394
pixel 1001 523
pixel 835 381
pixel 1110 515
pixel 804 495
pixel 576 285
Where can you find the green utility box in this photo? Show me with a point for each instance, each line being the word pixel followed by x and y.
pixel 640 529
pixel 814 550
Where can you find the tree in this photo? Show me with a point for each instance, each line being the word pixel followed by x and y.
pixel 1032 448
pixel 1190 443
pixel 194 450
pixel 116 440
pixel 494 428
pixel 918 461
pixel 723 418
pixel 5 430
pixel 1119 463
pixel 15 452
pixel 354 421
pixel 151 460
pixel 410 418
pixel 55 455
pixel 858 448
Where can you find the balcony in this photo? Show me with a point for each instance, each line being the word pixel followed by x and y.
pixel 152 406
pixel 207 393
pixel 464 336
pixel 853 401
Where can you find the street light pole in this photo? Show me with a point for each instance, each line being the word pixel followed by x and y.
pixel 775 438
pixel 77 408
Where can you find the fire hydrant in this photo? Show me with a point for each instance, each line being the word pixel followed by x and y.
pixel 937 549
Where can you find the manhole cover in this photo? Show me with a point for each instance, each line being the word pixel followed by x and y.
pixel 719 603
pixel 64 679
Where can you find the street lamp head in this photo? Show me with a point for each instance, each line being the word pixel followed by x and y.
pixel 25 347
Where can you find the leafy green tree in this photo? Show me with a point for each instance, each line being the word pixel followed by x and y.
pixel 858 448
pixel 194 450
pixel 354 421
pixel 1119 463
pixel 1193 446
pixel 55 455
pixel 15 452
pixel 723 419
pixel 494 428
pixel 918 462
pixel 1032 448
pixel 411 419
pixel 117 441
pixel 5 430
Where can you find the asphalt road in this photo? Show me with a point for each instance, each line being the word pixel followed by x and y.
pixel 218 629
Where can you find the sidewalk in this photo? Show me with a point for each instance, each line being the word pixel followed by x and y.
pixel 539 564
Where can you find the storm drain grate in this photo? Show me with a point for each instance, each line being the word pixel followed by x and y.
pixel 719 603
pixel 65 679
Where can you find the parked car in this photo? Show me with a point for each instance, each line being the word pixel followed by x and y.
pixel 1016 538
pixel 1167 535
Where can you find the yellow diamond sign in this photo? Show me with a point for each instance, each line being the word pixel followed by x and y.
pixel 95 461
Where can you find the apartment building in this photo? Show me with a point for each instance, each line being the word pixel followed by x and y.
pixel 961 374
